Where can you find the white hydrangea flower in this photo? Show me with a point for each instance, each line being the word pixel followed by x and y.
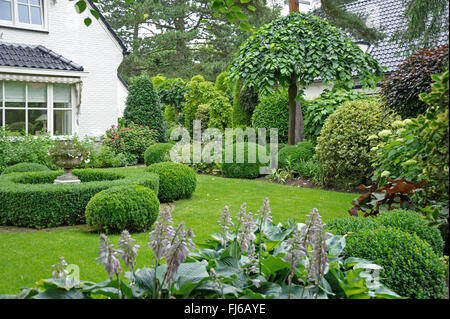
pixel 385 133
pixel 385 174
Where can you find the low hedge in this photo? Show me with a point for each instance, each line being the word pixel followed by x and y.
pixel 25 167
pixel 32 200
pixel 342 226
pixel 410 266
pixel 130 207
pixel 157 153
pixel 176 180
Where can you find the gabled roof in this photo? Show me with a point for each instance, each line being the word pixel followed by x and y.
pixel 110 29
pixel 389 15
pixel 34 56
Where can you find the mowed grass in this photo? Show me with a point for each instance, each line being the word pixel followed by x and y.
pixel 27 256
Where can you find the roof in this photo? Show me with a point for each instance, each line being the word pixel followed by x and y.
pixel 34 56
pixel 389 15
pixel 122 81
pixel 110 29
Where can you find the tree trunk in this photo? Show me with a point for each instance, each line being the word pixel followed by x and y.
pixel 295 114
pixel 293 6
pixel 292 93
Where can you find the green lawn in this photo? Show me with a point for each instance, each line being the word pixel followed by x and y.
pixel 26 257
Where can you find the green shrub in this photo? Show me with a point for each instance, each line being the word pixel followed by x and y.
pixel 241 115
pixel 197 78
pixel 16 148
pixel 157 153
pixel 316 111
pixel 307 169
pixel 32 200
pixel 350 224
pixel 202 114
pixel 273 112
pixel 25 167
pixel 413 222
pixel 105 157
pixel 131 207
pixel 242 170
pixel 176 181
pixel 169 114
pixel 410 266
pixel 220 113
pixel 197 93
pixel 301 152
pixel 143 106
pixel 343 149
pixel 132 141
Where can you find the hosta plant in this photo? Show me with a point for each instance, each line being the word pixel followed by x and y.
pixel 251 257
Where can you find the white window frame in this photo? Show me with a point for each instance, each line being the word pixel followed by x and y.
pixel 28 26
pixel 50 109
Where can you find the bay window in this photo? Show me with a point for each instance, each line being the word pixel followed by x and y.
pixel 36 108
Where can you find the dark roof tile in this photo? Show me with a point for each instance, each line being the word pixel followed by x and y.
pixel 34 56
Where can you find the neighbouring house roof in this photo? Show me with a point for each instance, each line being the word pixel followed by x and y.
pixel 122 81
pixel 387 16
pixel 34 56
pixel 110 29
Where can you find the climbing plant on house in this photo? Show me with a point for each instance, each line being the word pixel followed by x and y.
pixel 294 51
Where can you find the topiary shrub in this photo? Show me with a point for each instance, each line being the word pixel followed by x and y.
pixel 32 200
pixel 157 153
pixel 202 114
pixel 410 266
pixel 132 207
pixel 247 169
pixel 197 78
pixel 273 112
pixel 302 152
pixel 412 222
pixel 171 93
pixel 176 180
pixel 343 150
pixel 350 224
pixel 402 88
pixel 25 167
pixel 143 106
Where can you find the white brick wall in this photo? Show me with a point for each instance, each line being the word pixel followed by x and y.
pixel 94 48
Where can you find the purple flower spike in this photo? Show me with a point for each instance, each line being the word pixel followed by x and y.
pixel 108 256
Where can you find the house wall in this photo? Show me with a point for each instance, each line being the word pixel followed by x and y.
pixel 92 47
pixel 122 93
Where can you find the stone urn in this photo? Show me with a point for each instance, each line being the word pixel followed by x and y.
pixel 67 155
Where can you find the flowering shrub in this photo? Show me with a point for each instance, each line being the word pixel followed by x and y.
pixel 250 258
pixel 132 140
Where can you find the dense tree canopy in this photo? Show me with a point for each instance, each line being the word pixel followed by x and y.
pixel 294 51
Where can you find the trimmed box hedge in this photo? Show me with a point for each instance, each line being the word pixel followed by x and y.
pixel 32 200
pixel 25 167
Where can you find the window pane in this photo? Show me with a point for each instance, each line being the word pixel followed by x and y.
pixel 62 122
pixel 61 96
pixel 23 14
pixel 37 122
pixel 5 10
pixel 23 1
pixel 37 95
pixel 36 2
pixel 36 15
pixel 15 119
pixel 14 94
pixel 1 117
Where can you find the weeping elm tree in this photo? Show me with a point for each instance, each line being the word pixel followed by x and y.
pixel 294 51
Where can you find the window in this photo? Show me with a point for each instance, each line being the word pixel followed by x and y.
pixel 6 10
pixel 36 108
pixel 29 14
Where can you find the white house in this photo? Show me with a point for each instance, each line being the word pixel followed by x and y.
pixel 57 74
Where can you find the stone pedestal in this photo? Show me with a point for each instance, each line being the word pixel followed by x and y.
pixel 67 178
